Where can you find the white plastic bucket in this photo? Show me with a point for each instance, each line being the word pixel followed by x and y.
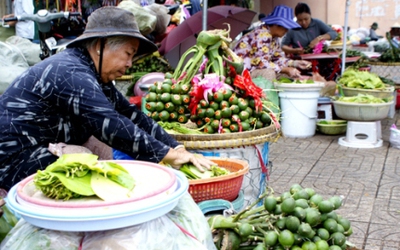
pixel 299 104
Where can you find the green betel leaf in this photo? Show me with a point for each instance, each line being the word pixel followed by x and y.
pixel 83 159
pixel 114 172
pixel 107 189
pixel 79 185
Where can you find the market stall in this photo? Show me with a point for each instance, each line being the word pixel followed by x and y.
pixel 212 106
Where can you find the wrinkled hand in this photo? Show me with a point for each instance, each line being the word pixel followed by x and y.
pixel 176 158
pixel 302 64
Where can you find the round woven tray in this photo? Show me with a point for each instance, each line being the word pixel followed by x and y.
pixel 384 63
pixel 124 78
pixel 229 140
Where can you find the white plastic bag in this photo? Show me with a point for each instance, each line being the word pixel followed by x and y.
pixel 183 228
pixel 394 136
pixel 25 236
pixel 146 21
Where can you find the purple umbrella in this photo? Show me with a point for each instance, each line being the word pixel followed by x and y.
pixel 184 36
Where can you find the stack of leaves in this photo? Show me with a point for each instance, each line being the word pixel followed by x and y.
pixel 352 78
pixel 79 175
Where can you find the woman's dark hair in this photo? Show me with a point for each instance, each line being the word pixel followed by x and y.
pixel 301 8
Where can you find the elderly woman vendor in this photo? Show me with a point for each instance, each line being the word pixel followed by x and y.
pixel 260 48
pixel 70 97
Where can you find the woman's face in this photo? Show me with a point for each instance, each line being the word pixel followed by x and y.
pixel 117 59
pixel 304 20
pixel 277 31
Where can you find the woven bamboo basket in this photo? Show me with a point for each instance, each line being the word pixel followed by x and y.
pixel 229 140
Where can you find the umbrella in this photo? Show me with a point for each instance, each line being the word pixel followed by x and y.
pixel 184 36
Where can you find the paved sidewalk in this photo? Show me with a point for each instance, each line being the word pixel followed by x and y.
pixel 367 179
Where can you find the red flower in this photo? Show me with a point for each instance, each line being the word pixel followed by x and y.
pixel 245 83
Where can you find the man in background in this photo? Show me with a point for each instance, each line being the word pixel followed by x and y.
pixel 25 29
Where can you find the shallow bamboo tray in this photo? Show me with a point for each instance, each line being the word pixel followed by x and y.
pixel 228 140
pixel 384 63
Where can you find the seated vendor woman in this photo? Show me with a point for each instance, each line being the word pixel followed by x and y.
pixel 260 48
pixel 310 32
pixel 70 97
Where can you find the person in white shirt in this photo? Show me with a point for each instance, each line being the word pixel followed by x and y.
pixel 25 29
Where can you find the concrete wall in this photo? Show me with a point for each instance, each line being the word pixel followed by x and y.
pixel 361 13
pixel 5 7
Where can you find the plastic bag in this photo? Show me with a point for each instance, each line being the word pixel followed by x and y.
pixel 183 228
pixel 30 50
pixel 161 233
pixel 394 138
pixel 7 221
pixel 25 236
pixel 12 63
pixel 146 21
pixel 163 18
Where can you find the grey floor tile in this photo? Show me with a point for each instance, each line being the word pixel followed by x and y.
pixel 368 180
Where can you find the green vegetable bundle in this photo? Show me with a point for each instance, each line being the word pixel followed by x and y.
pixel 192 173
pixel 297 219
pixel 391 54
pixel 78 175
pixel 352 78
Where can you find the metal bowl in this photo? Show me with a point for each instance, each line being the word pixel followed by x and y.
pixel 361 111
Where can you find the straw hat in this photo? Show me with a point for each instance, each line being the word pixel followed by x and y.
pixel 113 21
pixel 395 25
pixel 281 15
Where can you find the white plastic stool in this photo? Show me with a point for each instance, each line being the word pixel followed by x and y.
pixel 362 135
pixel 324 112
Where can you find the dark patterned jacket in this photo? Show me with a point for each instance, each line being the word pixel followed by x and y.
pixel 62 99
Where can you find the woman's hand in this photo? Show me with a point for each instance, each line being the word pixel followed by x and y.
pixel 292 72
pixel 298 51
pixel 315 41
pixel 176 158
pixel 302 64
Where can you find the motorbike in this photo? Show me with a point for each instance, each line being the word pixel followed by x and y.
pixel 50 38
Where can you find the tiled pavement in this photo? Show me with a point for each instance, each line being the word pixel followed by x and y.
pixel 367 179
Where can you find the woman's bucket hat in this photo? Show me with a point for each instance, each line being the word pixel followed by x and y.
pixel 113 21
pixel 282 15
